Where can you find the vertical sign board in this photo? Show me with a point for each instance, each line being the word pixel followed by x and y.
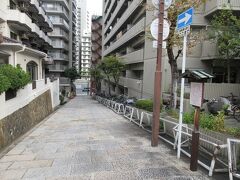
pixel 196 94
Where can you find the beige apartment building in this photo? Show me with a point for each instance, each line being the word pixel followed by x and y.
pixel 124 34
pixel 24 40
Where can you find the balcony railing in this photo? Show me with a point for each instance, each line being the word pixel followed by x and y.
pixel 59 33
pixel 59 56
pixel 133 57
pixel 134 84
pixel 61 22
pixel 57 68
pixel 130 10
pixel 15 16
pixel 58 9
pixel 214 5
pixel 131 33
pixel 60 44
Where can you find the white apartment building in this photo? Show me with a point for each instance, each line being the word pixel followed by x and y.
pixel 24 41
pixel 86 53
pixel 85 17
pixel 78 39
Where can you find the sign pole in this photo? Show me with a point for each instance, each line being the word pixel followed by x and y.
pixel 182 95
pixel 158 79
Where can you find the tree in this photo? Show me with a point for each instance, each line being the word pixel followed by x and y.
pixel 174 41
pixel 96 77
pixel 71 73
pixel 112 67
pixel 225 32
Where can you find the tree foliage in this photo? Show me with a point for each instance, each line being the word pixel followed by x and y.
pixel 71 73
pixel 112 67
pixel 225 32
pixel 96 76
pixel 15 76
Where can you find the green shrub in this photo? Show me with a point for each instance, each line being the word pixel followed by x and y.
pixel 234 132
pixel 4 83
pixel 207 121
pixel 188 118
pixel 173 113
pixel 146 104
pixel 16 76
pixel 61 98
pixel 219 122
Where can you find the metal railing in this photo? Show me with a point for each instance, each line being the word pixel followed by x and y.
pixel 208 144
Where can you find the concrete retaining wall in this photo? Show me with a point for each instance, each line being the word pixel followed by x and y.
pixel 22 120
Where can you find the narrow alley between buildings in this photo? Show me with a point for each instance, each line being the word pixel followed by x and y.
pixel 85 140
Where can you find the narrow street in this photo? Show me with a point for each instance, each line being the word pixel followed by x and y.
pixel 85 140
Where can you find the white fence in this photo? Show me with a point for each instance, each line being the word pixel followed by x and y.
pixel 26 95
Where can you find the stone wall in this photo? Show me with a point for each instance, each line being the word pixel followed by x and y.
pixel 22 120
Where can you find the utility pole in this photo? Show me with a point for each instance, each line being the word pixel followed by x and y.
pixel 158 78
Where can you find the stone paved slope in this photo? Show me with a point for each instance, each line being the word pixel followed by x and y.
pixel 85 140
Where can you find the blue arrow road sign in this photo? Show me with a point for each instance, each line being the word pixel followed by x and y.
pixel 185 19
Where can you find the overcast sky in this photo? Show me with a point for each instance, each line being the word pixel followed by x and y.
pixel 94 7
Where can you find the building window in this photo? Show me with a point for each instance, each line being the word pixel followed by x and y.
pixel 32 69
pixel 13 35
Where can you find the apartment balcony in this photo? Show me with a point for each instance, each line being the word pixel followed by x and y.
pixel 130 83
pixel 62 23
pixel 22 22
pixel 133 57
pixel 109 10
pixel 96 37
pixel 59 56
pixel 60 45
pixel 96 26
pixel 107 4
pixel 34 8
pixel 46 21
pixel 62 2
pixel 214 5
pixel 113 16
pixel 57 68
pixel 209 50
pixel 74 3
pixel 60 34
pixel 131 33
pixel 130 10
pixel 58 10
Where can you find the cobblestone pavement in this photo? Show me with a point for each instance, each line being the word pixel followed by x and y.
pixel 85 140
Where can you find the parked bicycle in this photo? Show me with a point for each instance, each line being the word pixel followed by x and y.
pixel 227 103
